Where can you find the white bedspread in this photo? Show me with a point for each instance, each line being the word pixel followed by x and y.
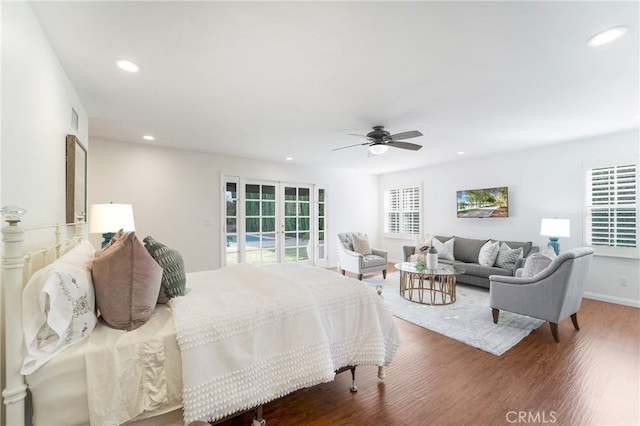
pixel 248 335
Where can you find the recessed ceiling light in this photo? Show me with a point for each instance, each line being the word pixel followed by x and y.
pixel 128 65
pixel 289 158
pixel 148 137
pixel 607 36
pixel 461 152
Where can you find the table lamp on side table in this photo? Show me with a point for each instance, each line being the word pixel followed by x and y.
pixel 555 228
pixel 107 219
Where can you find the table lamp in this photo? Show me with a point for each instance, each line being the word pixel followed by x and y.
pixel 555 228
pixel 107 219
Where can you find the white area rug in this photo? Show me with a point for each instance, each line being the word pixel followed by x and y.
pixel 468 320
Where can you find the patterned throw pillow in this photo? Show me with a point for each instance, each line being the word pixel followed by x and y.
pixel 174 279
pixel 445 250
pixel 538 262
pixel 489 253
pixel 58 307
pixel 361 244
pixel 507 257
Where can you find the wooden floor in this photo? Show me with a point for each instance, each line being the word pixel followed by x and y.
pixel 592 377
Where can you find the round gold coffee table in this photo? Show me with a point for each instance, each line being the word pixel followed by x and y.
pixel 438 285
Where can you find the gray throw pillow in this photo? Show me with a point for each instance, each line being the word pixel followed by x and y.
pixel 489 253
pixel 537 262
pixel 174 279
pixel 507 257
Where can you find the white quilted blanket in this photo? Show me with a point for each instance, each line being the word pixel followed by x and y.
pixel 248 335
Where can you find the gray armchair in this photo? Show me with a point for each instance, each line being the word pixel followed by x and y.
pixel 357 263
pixel 552 294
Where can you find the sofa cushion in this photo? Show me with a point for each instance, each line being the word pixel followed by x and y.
pixel 507 257
pixel 489 253
pixel 467 249
pixel 445 249
pixel 482 271
pixel 371 260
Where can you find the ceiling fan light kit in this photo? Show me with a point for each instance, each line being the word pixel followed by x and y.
pixel 379 140
pixel 378 149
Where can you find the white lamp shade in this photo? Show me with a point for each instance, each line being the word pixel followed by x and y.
pixel 378 149
pixel 110 217
pixel 555 227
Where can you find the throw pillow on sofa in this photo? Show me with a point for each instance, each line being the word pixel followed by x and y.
pixel 445 250
pixel 489 253
pixel 423 243
pixel 507 257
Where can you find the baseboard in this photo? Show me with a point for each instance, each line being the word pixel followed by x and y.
pixel 612 299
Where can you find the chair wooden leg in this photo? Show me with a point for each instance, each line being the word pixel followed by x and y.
pixel 384 274
pixel 574 320
pixel 342 271
pixel 360 277
pixel 554 331
pixel 495 312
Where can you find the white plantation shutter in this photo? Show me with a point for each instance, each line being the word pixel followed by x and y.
pixel 402 211
pixel 612 207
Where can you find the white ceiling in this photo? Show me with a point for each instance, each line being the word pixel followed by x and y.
pixel 268 80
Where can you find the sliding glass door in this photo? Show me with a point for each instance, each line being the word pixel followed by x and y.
pixel 270 222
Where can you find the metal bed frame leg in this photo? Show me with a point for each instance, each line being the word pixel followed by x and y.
pixel 259 421
pixel 353 387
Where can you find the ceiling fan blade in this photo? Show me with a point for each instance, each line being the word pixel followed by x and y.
pixel 349 146
pixel 360 136
pixel 404 145
pixel 406 135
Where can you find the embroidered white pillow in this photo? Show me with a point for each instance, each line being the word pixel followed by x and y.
pixel 507 257
pixel 58 307
pixel 489 253
pixel 424 242
pixel 537 262
pixel 361 244
pixel 445 250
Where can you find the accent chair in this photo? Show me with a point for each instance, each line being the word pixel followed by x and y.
pixel 354 258
pixel 552 294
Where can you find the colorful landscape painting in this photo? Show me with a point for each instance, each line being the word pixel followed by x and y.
pixel 489 202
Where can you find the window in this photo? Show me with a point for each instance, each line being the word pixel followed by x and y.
pixel 612 209
pixel 402 211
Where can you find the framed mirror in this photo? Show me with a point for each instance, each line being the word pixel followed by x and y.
pixel 76 179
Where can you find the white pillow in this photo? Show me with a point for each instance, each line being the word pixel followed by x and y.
pixel 507 257
pixel 537 262
pixel 445 250
pixel 361 244
pixel 422 242
pixel 58 307
pixel 489 253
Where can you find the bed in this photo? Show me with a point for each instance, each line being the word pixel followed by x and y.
pixel 239 337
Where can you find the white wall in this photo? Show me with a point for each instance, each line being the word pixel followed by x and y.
pixel 175 193
pixel 37 98
pixel 35 117
pixel 543 182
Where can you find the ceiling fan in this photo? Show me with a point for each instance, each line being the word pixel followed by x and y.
pixel 379 140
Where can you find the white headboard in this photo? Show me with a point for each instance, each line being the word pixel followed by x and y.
pixel 17 267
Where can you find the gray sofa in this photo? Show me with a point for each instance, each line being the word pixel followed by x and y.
pixel 465 252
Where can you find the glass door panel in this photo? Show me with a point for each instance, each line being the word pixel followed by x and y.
pixel 232 250
pixel 297 219
pixel 260 224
